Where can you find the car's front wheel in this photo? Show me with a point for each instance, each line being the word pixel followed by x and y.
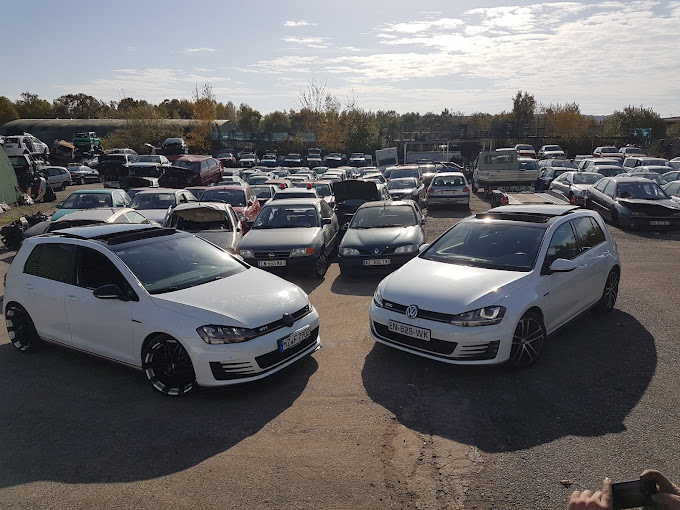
pixel 20 328
pixel 610 292
pixel 527 341
pixel 63 186
pixel 320 266
pixel 168 367
pixel 82 181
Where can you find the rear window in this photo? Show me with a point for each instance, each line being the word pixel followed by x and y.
pixel 234 197
pixel 52 261
pixel 194 166
pixel 12 139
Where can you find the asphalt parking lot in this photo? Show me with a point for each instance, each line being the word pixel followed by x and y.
pixel 360 425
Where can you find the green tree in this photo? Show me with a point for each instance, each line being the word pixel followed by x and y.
pixel 247 119
pixel 77 106
pixel 205 114
pixel 8 112
pixel 226 111
pixel 523 108
pixel 30 106
pixel 143 125
pixel 623 122
pixel 275 122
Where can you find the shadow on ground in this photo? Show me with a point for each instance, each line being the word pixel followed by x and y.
pixel 73 418
pixel 591 375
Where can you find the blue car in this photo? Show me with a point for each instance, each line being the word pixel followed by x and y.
pixel 92 199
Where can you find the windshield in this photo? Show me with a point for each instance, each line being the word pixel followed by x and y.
pixel 396 174
pixel 187 261
pixel 234 197
pixel 145 171
pixel 488 245
pixel 263 191
pixel 586 178
pixel 656 162
pixel 153 201
pixel 87 201
pixel 287 216
pixel 552 148
pixel 611 150
pixel 149 158
pixel 524 148
pixel 322 189
pixel 644 190
pixel 562 163
pixel 528 165
pixel 402 184
pixel 194 166
pixel 383 217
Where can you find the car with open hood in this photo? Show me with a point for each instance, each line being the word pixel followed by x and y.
pixel 242 198
pixel 124 215
pixel 633 202
pixel 213 221
pixel 191 170
pixel 296 233
pixel 351 194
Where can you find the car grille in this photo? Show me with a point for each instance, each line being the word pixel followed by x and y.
pixel 277 254
pixel 275 357
pixel 476 352
pixel 422 314
pixel 273 326
pixel 434 345
pixel 224 371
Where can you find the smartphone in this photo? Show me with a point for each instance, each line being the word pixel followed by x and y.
pixel 633 493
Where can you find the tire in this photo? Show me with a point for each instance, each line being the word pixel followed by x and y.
pixel 610 292
pixel 82 181
pixel 615 218
pixel 320 266
pixel 21 329
pixel 475 188
pixel 527 341
pixel 168 367
pixel 63 186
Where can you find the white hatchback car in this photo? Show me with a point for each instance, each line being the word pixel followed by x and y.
pixel 169 303
pixel 491 288
pixel 25 144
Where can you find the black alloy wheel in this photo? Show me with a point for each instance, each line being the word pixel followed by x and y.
pixel 320 266
pixel 20 328
pixel 610 292
pixel 527 341
pixel 168 367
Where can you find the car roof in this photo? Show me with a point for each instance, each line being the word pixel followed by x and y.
pixel 528 213
pixel 295 201
pixel 99 213
pixel 109 231
pixel 628 178
pixel 149 191
pixel 193 157
pixel 98 191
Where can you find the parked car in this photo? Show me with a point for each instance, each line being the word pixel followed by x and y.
pixel 407 171
pixel 448 188
pixel 102 215
pixel 157 159
pixel 191 322
pixel 324 189
pixel 241 198
pixel 495 285
pixel 142 175
pixel 574 185
pixel 652 176
pixel 633 202
pixel 586 164
pixel 248 160
pixel 671 176
pixel 156 203
pixel 298 233
pixel 525 150
pixel 57 176
pixel 631 151
pixel 551 151
pixel 227 159
pixel 231 179
pixel 91 199
pixel 191 170
pixel 260 178
pixel 659 170
pixel 174 146
pixel 213 221
pixel 334 160
pixel 292 160
pixel 26 144
pixel 407 188
pixel 82 174
pixel 352 194
pixel 381 237
pixel 607 170
pixel 607 151
pixel 633 162
pixel 114 166
pixel 672 189
pixel 264 192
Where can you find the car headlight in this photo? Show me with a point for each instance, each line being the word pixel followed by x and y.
pixel 301 252
pixel 377 298
pixel 349 252
pixel 481 317
pixel 409 248
pixel 212 334
pixel 246 254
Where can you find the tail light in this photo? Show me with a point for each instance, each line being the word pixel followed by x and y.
pixel 573 200
pixel 430 190
pixel 504 200
pixel 309 185
pixel 466 190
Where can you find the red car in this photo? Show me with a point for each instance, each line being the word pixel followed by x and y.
pixel 191 170
pixel 242 198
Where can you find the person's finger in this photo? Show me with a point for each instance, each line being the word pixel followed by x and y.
pixel 586 494
pixel 607 497
pixel 575 496
pixel 666 501
pixel 665 485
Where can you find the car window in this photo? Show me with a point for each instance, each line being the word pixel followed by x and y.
pixel 588 232
pixel 94 269
pixel 599 186
pixel 609 189
pixel 135 217
pixel 562 244
pixel 53 261
pixel 326 211
pixel 121 218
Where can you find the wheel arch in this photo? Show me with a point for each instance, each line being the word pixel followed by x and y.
pixel 152 336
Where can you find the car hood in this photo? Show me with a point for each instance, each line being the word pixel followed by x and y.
pixel 276 239
pixel 62 212
pixel 382 237
pixel 351 189
pixel 448 288
pixel 664 206
pixel 157 215
pixel 403 191
pixel 241 300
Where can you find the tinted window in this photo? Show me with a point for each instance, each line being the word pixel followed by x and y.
pixel 589 232
pixel 235 197
pixel 562 245
pixel 95 269
pixel 609 190
pixel 673 188
pixel 600 185
pixel 87 201
pixel 326 211
pixel 52 261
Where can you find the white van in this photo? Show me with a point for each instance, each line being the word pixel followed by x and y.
pixel 504 170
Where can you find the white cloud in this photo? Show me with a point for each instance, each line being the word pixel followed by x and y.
pixel 301 23
pixel 304 40
pixel 199 50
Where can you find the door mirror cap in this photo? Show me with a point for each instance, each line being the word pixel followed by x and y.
pixel 110 291
pixel 423 247
pixel 562 266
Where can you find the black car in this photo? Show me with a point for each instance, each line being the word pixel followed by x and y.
pixel 547 175
pixel 174 146
pixel 351 194
pixel 297 233
pixel 382 237
pixel 82 174
pixel 113 166
pixel 141 175
pixel 633 202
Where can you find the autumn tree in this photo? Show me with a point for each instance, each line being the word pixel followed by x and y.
pixel 523 109
pixel 247 119
pixel 8 111
pixel 205 114
pixel 275 122
pixel 226 111
pixel 565 120
pixel 144 124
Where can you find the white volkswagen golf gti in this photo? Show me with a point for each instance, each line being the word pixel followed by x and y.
pixel 491 288
pixel 177 307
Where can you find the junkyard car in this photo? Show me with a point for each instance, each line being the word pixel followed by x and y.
pixel 184 322
pixel 212 221
pixel 448 188
pixel 573 185
pixel 92 199
pixel 156 203
pixel 81 174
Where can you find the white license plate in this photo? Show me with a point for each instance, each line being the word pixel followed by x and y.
pixel 295 338
pixel 271 263
pixel 377 262
pixel 659 222
pixel 408 330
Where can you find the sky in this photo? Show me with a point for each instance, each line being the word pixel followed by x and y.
pixel 386 55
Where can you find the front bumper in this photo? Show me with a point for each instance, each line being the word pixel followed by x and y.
pixel 229 364
pixel 649 222
pixel 303 262
pixel 482 345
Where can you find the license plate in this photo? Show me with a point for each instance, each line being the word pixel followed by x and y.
pixel 295 338
pixel 659 222
pixel 408 330
pixel 271 263
pixel 377 262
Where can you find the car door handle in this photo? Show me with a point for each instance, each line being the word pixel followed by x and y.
pixel 29 286
pixel 583 266
pixel 72 298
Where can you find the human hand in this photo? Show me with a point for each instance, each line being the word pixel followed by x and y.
pixel 668 497
pixel 600 500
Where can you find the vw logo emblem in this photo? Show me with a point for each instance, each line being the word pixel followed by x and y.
pixel 412 312
pixel 271 255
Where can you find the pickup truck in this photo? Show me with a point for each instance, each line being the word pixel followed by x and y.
pixel 504 170
pixel 87 142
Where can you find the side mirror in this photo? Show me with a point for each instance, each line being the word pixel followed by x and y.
pixel 423 247
pixel 562 266
pixel 110 291
pixel 327 221
pixel 423 221
pixel 58 206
